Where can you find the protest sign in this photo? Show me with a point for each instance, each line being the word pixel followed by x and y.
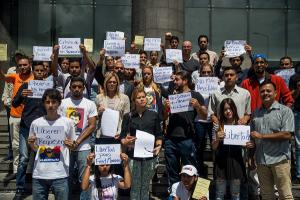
pixel 236 134
pixel 50 135
pixel 131 61
pixel 114 47
pixel 173 54
pixel 162 74
pixel 180 102
pixel 41 53
pixel 285 74
pixel 144 145
pixel 3 52
pixel 107 154
pixel 139 41
pixel 207 85
pixel 69 46
pixel 152 44
pixel 109 122
pixel 88 43
pixel 38 87
pixel 234 48
pixel 118 35
pixel 201 188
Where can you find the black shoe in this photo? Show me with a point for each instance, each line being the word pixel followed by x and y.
pixel 9 177
pixel 18 195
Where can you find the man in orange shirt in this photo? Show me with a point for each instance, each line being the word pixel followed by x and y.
pixel 17 79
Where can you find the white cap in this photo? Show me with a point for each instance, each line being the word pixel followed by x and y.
pixel 189 170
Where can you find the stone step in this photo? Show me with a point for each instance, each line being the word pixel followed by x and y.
pixel 3 150
pixel 3 128
pixel 6 166
pixel 4 137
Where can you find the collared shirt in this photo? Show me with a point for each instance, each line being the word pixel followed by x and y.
pixel 213 57
pixel 240 96
pixel 277 118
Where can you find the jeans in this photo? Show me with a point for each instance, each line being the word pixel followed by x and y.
pixel 23 158
pixel 142 173
pixel 234 189
pixel 297 141
pixel 201 130
pixel 78 158
pixel 178 152
pixel 41 187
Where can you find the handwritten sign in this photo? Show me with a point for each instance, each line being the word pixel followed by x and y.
pixel 173 54
pixel 285 74
pixel 139 41
pixel 109 122
pixel 41 53
pixel 144 145
pixel 107 154
pixel 131 61
pixel 180 102
pixel 234 48
pixel 50 135
pixel 201 188
pixel 162 74
pixel 236 134
pixel 114 47
pixel 38 87
pixel 207 85
pixel 152 44
pixel 88 43
pixel 118 35
pixel 69 46
pixel 3 52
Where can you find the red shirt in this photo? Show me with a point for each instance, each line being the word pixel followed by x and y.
pixel 283 93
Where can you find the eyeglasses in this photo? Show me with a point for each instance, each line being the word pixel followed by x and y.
pixel 206 72
pixel 112 82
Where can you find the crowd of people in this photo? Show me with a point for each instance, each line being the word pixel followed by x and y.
pixel 84 89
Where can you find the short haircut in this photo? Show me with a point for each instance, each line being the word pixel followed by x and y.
pixel 174 38
pixel 184 75
pixel 78 78
pixel 71 60
pixel 204 52
pixel 143 52
pixel 228 68
pixel 286 57
pixel 24 57
pixel 267 81
pixel 202 36
pixel 52 94
pixel 36 63
pixel 241 57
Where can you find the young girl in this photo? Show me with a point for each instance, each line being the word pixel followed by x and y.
pixel 229 164
pixel 104 184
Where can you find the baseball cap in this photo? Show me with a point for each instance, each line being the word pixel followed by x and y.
pixel 259 55
pixel 189 170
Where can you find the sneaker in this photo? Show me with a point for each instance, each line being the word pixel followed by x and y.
pixel 18 195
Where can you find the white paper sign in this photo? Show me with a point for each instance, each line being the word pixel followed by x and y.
pixel 41 53
pixel 144 145
pixel 69 46
pixel 180 102
pixel 118 35
pixel 131 61
pixel 109 122
pixel 50 135
pixel 114 47
pixel 38 87
pixel 234 48
pixel 152 44
pixel 162 74
pixel 285 74
pixel 207 85
pixel 236 134
pixel 107 154
pixel 173 54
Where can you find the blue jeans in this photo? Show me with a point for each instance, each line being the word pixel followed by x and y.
pixel 23 158
pixel 78 158
pixel 41 187
pixel 297 141
pixel 176 150
pixel 234 189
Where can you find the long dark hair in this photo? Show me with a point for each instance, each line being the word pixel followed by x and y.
pixel 232 106
pixel 97 179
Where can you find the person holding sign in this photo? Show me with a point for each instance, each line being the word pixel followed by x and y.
pixel 51 167
pixel 143 120
pixel 154 59
pixel 179 145
pixel 273 125
pixel 184 189
pixel 189 64
pixel 203 59
pixel 104 183
pixel 229 163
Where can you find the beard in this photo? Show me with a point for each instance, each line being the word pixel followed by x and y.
pixel 120 75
